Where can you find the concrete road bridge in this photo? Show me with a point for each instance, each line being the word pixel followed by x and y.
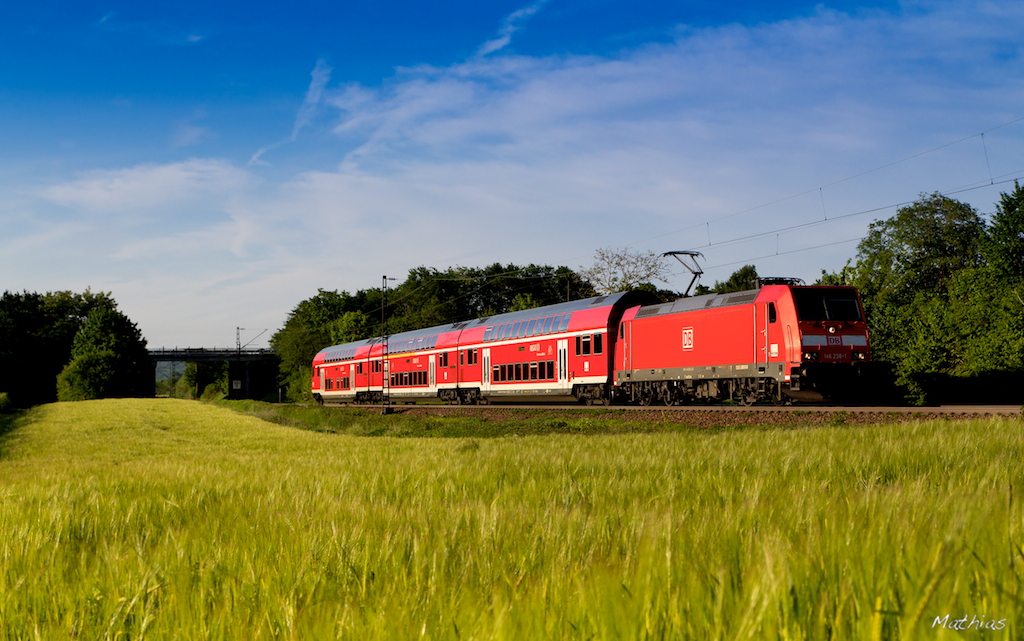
pixel 252 372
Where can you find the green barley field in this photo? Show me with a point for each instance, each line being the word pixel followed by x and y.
pixel 169 519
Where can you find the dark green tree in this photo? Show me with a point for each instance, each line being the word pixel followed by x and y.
pixel 108 359
pixel 1004 242
pixel 36 336
pixel 306 331
pixel 741 280
pixel 940 316
pixel 919 249
pixel 353 326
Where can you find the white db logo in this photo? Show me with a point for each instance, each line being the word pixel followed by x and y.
pixel 687 338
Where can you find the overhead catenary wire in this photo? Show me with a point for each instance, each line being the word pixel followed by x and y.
pixel 820 188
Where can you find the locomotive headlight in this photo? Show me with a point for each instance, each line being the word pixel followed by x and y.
pixel 860 356
pixel 810 356
pixel 831 329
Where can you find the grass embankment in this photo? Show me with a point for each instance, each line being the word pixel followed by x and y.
pixel 174 519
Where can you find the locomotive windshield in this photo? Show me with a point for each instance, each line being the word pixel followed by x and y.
pixel 826 304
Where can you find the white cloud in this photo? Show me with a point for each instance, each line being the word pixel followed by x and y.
pixel 149 186
pixel 186 135
pixel 321 75
pixel 509 26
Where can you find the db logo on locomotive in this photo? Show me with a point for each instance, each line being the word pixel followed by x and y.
pixel 687 338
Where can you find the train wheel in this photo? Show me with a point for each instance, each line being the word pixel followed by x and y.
pixel 588 401
pixel 606 401
pixel 646 397
pixel 748 393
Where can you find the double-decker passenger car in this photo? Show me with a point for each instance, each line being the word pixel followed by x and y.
pixel 781 342
pixel 561 350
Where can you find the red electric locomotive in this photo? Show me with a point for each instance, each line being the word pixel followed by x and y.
pixel 781 341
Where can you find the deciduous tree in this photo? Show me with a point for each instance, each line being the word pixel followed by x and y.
pixel 108 359
pixel 622 270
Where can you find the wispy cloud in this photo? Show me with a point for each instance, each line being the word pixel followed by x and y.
pixel 512 23
pixel 156 32
pixel 148 186
pixel 321 75
pixel 186 135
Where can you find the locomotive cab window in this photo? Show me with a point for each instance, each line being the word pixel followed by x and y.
pixel 771 313
pixel 826 305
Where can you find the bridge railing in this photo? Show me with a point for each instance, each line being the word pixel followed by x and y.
pixel 191 353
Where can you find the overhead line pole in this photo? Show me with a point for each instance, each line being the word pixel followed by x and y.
pixel 385 363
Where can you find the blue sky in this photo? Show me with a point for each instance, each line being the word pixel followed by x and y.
pixel 214 164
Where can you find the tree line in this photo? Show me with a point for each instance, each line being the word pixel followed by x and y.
pixel 68 346
pixel 943 292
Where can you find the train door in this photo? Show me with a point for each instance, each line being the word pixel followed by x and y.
pixel 321 370
pixel 563 363
pixel 351 376
pixel 432 373
pixel 485 374
pixel 769 335
pixel 760 338
pixel 627 344
pixel 773 334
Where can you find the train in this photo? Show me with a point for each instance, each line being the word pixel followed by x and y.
pixel 781 342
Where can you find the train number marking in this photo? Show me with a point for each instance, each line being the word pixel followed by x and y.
pixel 687 339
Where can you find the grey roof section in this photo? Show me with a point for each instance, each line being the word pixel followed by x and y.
pixel 548 310
pixel 708 301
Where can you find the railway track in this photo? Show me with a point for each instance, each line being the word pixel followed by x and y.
pixel 878 413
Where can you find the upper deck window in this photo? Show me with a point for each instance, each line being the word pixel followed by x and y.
pixel 826 304
pixel 565 322
pixel 529 330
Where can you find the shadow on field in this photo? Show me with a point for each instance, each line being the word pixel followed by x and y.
pixel 8 422
pixel 493 422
